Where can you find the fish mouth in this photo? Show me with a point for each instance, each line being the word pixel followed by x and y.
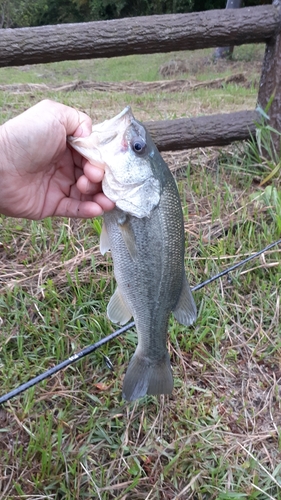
pixel 125 113
pixel 109 128
pixel 109 132
pixel 106 132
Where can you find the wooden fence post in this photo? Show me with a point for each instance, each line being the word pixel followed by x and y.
pixel 226 52
pixel 270 83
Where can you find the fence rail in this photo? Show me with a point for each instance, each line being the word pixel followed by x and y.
pixel 138 35
pixel 212 130
pixel 166 33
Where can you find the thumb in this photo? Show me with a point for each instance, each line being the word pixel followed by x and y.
pixel 75 122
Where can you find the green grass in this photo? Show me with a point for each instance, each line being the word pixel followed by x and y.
pixel 72 436
pixel 199 66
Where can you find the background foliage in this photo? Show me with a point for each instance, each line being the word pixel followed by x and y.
pixel 23 13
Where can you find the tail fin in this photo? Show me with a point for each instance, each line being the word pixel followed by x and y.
pixel 147 376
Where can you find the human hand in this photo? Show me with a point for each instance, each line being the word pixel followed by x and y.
pixel 40 174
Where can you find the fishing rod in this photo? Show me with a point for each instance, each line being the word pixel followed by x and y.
pixel 108 338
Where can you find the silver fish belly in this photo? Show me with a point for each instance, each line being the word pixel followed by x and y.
pixel 147 247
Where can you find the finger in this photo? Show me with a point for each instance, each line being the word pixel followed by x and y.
pixel 97 196
pixel 74 121
pixel 86 187
pixel 78 160
pixel 104 202
pixel 69 207
pixel 93 173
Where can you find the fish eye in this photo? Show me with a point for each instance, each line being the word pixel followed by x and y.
pixel 138 145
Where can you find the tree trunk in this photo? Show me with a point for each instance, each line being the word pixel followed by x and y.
pixel 226 52
pixel 139 35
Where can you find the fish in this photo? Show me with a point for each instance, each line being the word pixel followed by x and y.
pixel 145 234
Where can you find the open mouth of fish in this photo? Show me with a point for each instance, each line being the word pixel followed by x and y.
pixel 109 132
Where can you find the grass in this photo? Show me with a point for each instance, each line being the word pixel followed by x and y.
pixel 218 435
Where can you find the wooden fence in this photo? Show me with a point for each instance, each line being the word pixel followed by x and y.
pixel 166 33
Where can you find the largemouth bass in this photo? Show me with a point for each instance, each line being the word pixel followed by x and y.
pixel 145 234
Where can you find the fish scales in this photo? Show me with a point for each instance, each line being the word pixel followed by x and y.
pixel 154 273
pixel 146 240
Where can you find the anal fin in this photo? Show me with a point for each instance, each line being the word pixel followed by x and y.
pixel 185 311
pixel 117 309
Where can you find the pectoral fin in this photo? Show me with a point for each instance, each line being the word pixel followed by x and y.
pixel 104 240
pixel 129 237
pixel 117 309
pixel 185 310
